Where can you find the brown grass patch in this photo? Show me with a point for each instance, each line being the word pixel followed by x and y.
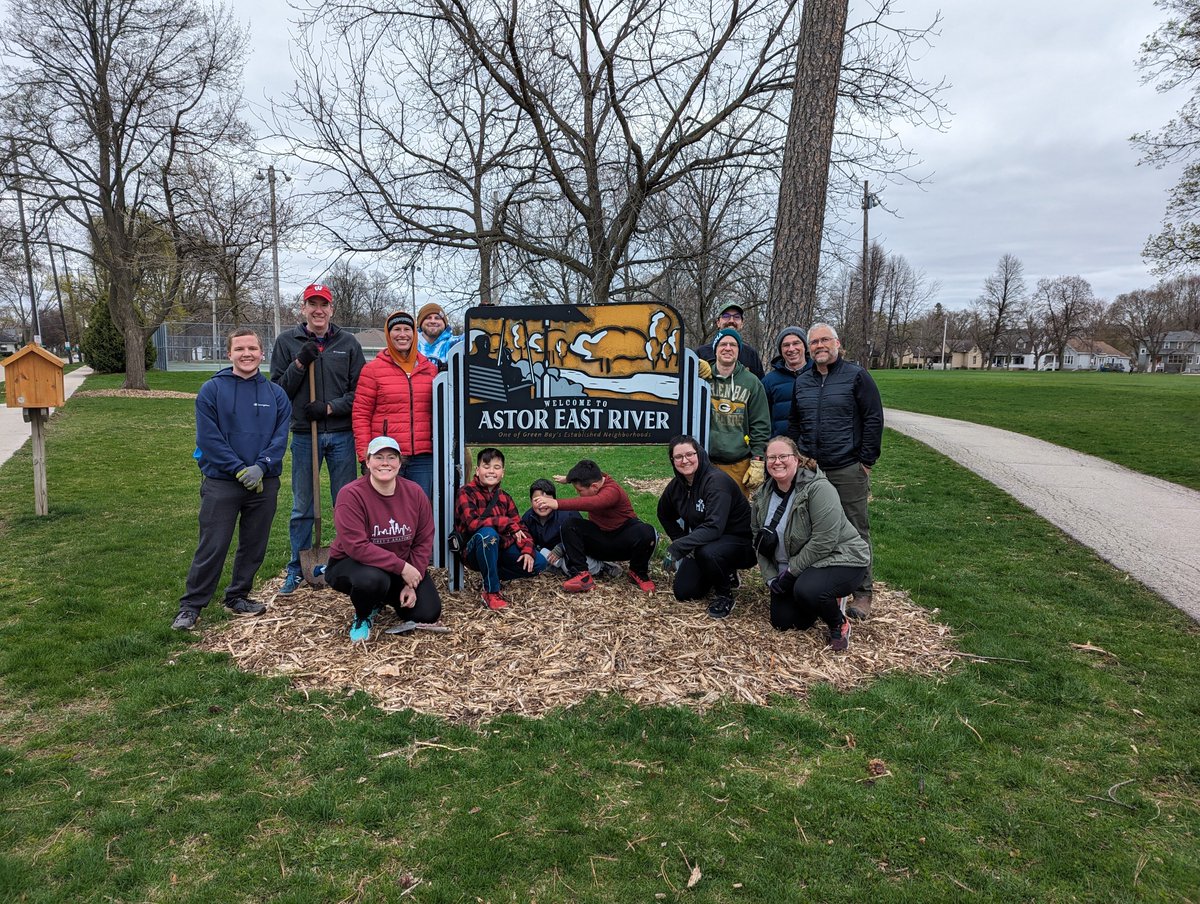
pixel 132 394
pixel 552 649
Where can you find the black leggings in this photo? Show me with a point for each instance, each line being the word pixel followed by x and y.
pixel 815 596
pixel 712 567
pixel 632 542
pixel 371 588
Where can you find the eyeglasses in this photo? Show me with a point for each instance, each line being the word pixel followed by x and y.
pixel 731 315
pixel 683 456
pixel 784 457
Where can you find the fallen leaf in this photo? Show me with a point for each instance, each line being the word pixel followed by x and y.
pixel 694 877
pixel 877 767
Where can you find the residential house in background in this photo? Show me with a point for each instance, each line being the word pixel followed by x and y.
pixel 9 343
pixel 1088 354
pixel 1180 353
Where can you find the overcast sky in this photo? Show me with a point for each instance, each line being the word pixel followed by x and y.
pixel 1036 160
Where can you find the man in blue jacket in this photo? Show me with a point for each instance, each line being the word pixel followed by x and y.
pixel 241 435
pixel 837 418
pixel 780 381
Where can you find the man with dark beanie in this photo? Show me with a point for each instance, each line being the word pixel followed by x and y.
pixel 792 359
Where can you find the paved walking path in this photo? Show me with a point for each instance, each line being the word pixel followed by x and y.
pixel 1142 525
pixel 14 432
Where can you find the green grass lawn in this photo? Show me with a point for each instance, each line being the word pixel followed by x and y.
pixel 1147 422
pixel 1065 767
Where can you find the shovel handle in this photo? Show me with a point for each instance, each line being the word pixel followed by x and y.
pixel 316 462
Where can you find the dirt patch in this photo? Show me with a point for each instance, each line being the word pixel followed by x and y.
pixel 133 394
pixel 655 487
pixel 552 649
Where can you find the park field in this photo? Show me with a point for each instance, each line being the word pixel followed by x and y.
pixel 1146 422
pixel 1057 761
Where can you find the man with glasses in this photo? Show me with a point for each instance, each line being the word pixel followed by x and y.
pixel 733 317
pixel 837 419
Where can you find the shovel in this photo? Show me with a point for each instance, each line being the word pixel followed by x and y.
pixel 409 626
pixel 318 554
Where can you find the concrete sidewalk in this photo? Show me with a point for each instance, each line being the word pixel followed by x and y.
pixel 15 432
pixel 1144 526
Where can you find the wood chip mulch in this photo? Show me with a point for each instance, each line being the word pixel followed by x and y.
pixel 553 649
pixel 133 394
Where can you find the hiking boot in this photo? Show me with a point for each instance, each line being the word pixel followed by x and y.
pixel 860 606
pixel 244 606
pixel 721 606
pixel 581 583
pixel 185 620
pixel 494 601
pixel 290 584
pixel 643 584
pixel 839 640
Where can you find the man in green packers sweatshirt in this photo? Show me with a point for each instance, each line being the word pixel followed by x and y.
pixel 740 424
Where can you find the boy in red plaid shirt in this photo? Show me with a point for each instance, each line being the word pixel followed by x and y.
pixel 495 543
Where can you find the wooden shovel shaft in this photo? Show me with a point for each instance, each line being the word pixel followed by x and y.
pixel 316 461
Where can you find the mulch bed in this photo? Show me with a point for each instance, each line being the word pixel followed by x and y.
pixel 552 649
pixel 133 394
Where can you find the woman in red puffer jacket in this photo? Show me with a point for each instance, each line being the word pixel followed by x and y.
pixel 394 397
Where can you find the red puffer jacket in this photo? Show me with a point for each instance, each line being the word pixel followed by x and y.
pixel 387 393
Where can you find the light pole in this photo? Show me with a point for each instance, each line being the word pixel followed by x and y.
pixel 945 327
pixel 413 270
pixel 270 177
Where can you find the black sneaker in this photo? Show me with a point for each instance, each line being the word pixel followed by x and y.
pixel 185 620
pixel 721 606
pixel 244 606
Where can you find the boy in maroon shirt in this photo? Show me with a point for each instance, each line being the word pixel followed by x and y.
pixel 611 532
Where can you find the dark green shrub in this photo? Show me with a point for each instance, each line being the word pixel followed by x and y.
pixel 104 346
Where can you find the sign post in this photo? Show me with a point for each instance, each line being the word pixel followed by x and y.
pixel 34 381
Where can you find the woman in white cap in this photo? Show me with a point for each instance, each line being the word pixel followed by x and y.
pixel 384 542
pixel 394 397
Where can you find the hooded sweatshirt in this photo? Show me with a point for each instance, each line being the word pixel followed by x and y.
pixel 710 507
pixel 240 422
pixel 740 423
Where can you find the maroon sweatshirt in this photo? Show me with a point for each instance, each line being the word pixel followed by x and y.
pixel 384 531
pixel 608 510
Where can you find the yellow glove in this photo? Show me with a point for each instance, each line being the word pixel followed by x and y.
pixel 755 475
pixel 704 369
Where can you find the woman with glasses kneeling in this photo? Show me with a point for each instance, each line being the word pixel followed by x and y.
pixel 384 543
pixel 808 552
pixel 705 513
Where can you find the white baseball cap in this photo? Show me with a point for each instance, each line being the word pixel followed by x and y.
pixel 379 443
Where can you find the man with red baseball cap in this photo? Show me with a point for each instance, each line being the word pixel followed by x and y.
pixel 336 360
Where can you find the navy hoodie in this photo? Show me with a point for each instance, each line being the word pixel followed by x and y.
pixel 241 422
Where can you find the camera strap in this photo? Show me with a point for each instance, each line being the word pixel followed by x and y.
pixel 780 509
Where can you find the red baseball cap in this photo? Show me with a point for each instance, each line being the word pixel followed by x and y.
pixel 317 290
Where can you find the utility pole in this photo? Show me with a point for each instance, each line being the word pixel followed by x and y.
pixel 35 322
pixel 58 293
pixel 868 201
pixel 270 177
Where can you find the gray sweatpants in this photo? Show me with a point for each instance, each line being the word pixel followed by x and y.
pixel 854 489
pixel 222 504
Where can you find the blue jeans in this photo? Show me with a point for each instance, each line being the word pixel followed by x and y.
pixel 419 469
pixel 337 451
pixel 483 553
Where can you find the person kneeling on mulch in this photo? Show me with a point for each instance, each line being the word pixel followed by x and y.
pixel 494 542
pixel 707 518
pixel 384 543
pixel 611 532
pixel 546 531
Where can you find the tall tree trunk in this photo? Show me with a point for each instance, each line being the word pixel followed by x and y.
pixel 805 175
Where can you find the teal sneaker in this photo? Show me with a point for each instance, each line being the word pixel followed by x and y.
pixel 360 630
pixel 291 584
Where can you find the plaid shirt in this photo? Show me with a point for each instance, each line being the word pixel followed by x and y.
pixel 476 506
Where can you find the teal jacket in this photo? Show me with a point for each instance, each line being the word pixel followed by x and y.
pixel 740 425
pixel 818 534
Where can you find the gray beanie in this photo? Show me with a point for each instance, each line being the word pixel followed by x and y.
pixel 791 331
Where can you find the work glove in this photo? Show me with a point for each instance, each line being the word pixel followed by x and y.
pixel 309 352
pixel 782 583
pixel 316 410
pixel 251 478
pixel 704 369
pixel 669 563
pixel 755 474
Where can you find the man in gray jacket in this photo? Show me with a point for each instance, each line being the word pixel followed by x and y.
pixel 336 360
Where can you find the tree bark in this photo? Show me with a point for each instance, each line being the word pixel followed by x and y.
pixel 805 174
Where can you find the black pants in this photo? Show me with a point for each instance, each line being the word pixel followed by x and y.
pixel 815 596
pixel 225 504
pixel 633 542
pixel 854 489
pixel 712 567
pixel 371 588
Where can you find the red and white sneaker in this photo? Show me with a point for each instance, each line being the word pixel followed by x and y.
pixel 581 583
pixel 494 601
pixel 839 640
pixel 643 584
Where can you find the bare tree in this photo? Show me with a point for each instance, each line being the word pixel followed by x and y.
pixel 105 98
pixel 1144 316
pixel 1000 305
pixel 1063 303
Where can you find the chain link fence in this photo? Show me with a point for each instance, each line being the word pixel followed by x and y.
pixel 198 345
